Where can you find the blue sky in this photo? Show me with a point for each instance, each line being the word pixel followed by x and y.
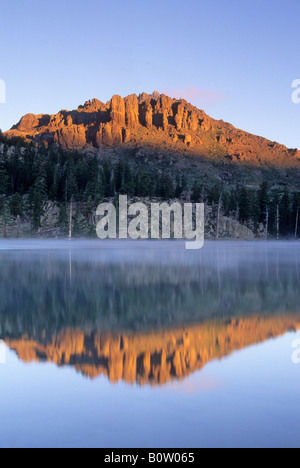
pixel 234 59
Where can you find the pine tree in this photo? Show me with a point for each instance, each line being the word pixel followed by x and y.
pixel 264 201
pixel 196 192
pixel 4 182
pixel 165 187
pixel 128 186
pixel 119 177
pixel 63 221
pixel 181 185
pixel 285 213
pixel 233 202
pixel 16 205
pixel 6 216
pixel 71 187
pixel 37 199
pixel 295 213
pixel 146 185
pixel 89 208
pixel 214 193
pixel 178 186
pixel 226 199
pixel 254 210
pixel 244 205
pixel 107 179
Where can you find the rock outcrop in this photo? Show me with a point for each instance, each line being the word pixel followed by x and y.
pixel 229 228
pixel 151 120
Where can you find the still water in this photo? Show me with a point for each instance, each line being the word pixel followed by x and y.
pixel 144 344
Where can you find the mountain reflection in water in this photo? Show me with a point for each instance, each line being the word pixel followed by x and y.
pixel 145 313
pixel 155 357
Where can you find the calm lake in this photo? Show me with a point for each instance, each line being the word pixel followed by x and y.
pixel 144 344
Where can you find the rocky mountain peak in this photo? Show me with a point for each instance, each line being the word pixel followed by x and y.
pixel 152 120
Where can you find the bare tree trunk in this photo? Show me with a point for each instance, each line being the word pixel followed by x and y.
pixel 297 220
pixel 71 218
pixel 267 222
pixel 218 218
pixel 277 222
pixel 18 226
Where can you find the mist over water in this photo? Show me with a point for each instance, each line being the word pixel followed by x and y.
pixel 127 317
pixel 139 286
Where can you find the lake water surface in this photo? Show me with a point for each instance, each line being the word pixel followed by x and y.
pixel 145 344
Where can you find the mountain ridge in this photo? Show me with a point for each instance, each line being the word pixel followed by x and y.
pixel 156 357
pixel 157 121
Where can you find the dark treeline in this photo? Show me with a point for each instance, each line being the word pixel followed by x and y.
pixel 60 175
pixel 29 177
pixel 276 210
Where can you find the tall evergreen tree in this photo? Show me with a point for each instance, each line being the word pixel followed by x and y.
pixel 196 192
pixel 285 213
pixel 16 205
pixel 165 187
pixel 244 205
pixel 63 219
pixel 4 182
pixel 37 200
pixel 6 216
pixel 264 201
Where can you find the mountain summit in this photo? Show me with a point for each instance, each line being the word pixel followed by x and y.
pixel 153 120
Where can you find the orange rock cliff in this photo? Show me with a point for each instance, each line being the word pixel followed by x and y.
pixel 154 120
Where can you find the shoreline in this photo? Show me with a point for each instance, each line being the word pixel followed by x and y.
pixel 152 242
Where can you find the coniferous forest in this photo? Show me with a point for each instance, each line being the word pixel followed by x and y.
pixel 30 176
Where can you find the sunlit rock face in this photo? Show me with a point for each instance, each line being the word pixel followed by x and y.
pixel 154 357
pixel 156 121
